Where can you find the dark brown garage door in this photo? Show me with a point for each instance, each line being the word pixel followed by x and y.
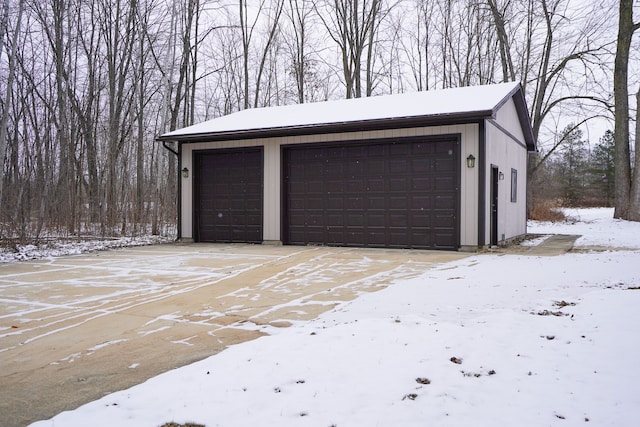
pixel 228 196
pixel 397 194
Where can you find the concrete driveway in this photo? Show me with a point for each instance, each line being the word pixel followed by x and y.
pixel 75 328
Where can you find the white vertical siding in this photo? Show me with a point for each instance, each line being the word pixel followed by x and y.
pixel 272 173
pixel 186 202
pixel 507 117
pixel 506 153
pixel 272 203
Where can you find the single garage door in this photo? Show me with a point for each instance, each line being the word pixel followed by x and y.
pixel 228 196
pixel 395 193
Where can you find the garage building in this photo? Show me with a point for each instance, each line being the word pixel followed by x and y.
pixel 442 169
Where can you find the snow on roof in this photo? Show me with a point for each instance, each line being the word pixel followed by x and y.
pixel 453 101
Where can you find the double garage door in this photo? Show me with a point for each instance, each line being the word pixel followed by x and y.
pixel 392 193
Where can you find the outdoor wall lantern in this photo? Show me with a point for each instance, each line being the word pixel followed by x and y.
pixel 500 176
pixel 471 161
pixel 185 172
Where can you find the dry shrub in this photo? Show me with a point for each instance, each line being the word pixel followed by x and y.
pixel 546 211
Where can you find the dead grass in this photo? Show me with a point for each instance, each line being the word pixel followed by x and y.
pixel 546 211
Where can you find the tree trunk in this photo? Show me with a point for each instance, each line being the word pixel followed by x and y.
pixel 140 141
pixel 5 111
pixel 246 39
pixel 508 74
pixel 269 42
pixel 622 157
pixel 634 199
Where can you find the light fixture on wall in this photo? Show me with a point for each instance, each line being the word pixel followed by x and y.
pixel 500 176
pixel 185 172
pixel 471 161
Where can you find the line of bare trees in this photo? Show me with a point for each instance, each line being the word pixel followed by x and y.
pixel 86 86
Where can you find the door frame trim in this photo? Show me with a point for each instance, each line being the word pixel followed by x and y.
pixel 494 198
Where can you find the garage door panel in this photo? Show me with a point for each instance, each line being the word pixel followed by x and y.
pixel 420 166
pixel 398 203
pixel 382 194
pixel 315 187
pixel 421 202
pixel 333 169
pixel 399 166
pixel 398 184
pixel 297 188
pixel 398 220
pixel 443 221
pixel 377 202
pixel 377 151
pixel 355 220
pixel 219 188
pixel 424 148
pixel 334 186
pixel 422 238
pixel 398 238
pixel 376 220
pixel 356 168
pixel 376 184
pixel 357 151
pixel 377 238
pixel 357 185
pixel 399 149
pixel 228 198
pixel 356 203
pixel 315 203
pixel 444 165
pixel 316 219
pixel 355 237
pixel 445 202
pixel 335 220
pixel 335 203
pixel 314 234
pixel 443 183
pixel 376 165
pixel 421 184
pixel 253 188
pixel 296 203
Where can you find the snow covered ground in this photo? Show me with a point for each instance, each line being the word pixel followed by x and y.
pixel 56 248
pixel 491 340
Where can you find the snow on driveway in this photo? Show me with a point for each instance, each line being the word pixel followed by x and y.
pixel 504 339
pixel 74 328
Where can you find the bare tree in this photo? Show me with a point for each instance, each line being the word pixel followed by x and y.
pixel 352 24
pixel 8 94
pixel 117 21
pixel 499 17
pixel 299 13
pixel 418 45
pixel 623 183
pixel 92 83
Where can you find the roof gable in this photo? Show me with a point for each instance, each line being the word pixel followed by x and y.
pixel 454 105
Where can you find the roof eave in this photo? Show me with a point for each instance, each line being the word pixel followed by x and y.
pixel 314 129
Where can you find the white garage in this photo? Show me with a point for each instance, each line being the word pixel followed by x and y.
pixel 443 169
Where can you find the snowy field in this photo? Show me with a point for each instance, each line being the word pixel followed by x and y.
pixel 491 340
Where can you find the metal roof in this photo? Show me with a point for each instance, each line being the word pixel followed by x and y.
pixel 428 108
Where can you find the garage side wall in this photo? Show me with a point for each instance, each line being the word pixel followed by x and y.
pixel 506 149
pixel 273 168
